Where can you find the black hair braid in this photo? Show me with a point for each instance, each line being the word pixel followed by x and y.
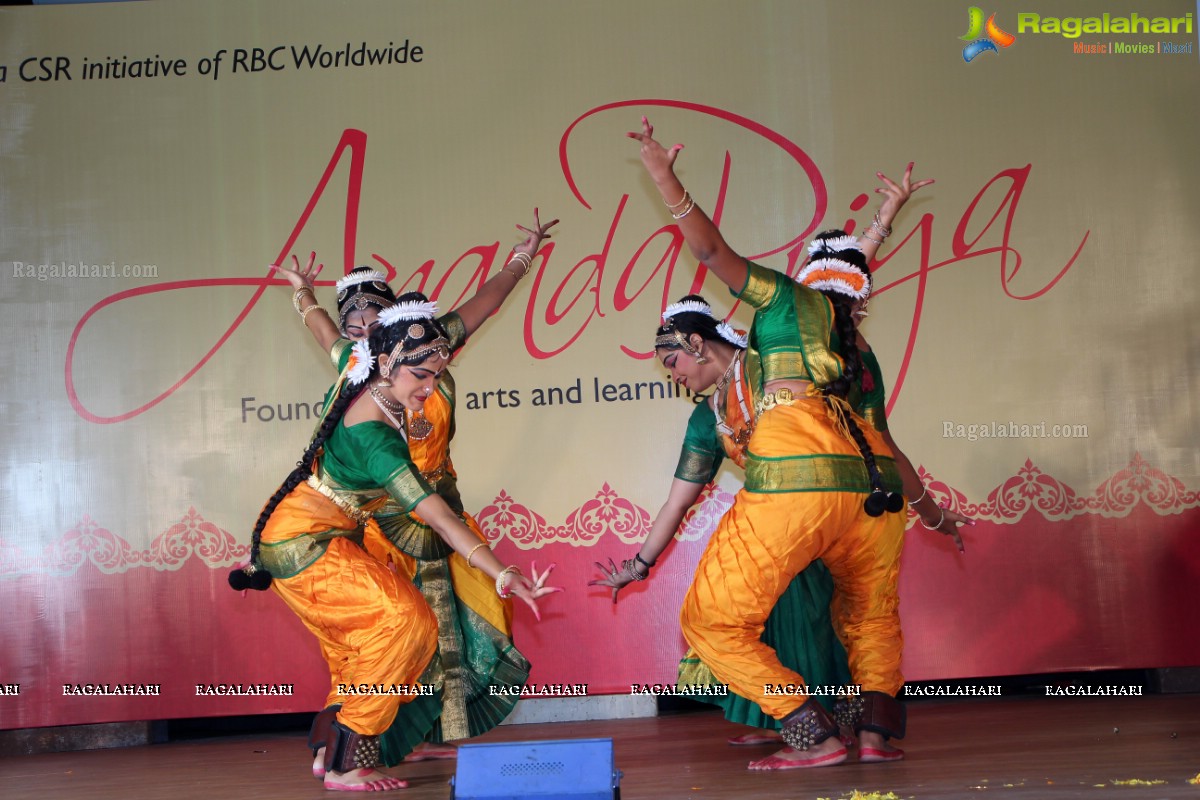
pixel 260 578
pixel 879 499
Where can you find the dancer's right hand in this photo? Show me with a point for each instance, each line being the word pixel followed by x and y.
pixel 300 278
pixel 616 579
pixel 535 235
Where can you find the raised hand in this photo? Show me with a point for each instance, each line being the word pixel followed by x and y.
pixel 300 278
pixel 897 194
pixel 534 235
pixel 658 160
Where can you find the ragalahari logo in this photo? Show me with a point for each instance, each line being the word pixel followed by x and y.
pixel 977 41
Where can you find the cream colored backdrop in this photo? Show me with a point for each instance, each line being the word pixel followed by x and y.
pixel 1048 277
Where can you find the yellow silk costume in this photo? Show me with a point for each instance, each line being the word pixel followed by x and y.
pixel 373 627
pixel 474 624
pixel 802 500
pixel 799 627
pixel 475 649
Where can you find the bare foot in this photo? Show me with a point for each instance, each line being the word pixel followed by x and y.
pixel 847 737
pixel 875 749
pixel 825 754
pixel 756 736
pixel 362 780
pixel 319 763
pixel 427 751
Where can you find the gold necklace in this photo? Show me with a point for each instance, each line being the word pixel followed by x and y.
pixel 419 428
pixel 384 402
pixel 723 383
pixel 399 426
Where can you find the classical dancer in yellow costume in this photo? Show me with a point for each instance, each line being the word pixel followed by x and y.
pixel 799 627
pixel 820 483
pixel 475 645
pixel 377 632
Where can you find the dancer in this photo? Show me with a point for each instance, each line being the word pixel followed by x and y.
pixel 375 628
pixel 475 645
pixel 799 627
pixel 818 484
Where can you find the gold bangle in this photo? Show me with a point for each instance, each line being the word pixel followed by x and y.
pixel 682 200
pixel 924 491
pixel 878 226
pixel 522 258
pixel 472 553
pixel 686 209
pixel 300 293
pixel 939 522
pixel 304 314
pixel 500 584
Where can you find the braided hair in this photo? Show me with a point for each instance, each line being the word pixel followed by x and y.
pixel 835 245
pixel 411 343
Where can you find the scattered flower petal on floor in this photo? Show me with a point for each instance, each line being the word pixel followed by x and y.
pixel 1138 782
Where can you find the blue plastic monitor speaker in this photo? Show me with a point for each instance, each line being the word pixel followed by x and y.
pixel 571 769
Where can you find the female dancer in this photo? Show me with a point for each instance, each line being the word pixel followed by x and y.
pixel 809 466
pixel 375 628
pixel 474 626
pixel 799 627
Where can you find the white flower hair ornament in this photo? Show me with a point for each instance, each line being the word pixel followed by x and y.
pixel 833 245
pixel 361 360
pixel 835 275
pixel 693 306
pixel 738 339
pixel 355 278
pixel 407 312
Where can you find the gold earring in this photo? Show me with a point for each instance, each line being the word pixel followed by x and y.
pixel 700 359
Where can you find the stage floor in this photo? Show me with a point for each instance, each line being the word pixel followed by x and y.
pixel 1027 747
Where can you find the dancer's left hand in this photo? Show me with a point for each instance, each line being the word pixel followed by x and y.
pixel 530 590
pixel 659 161
pixel 897 194
pixel 949 526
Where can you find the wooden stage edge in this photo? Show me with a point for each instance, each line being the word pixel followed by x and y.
pixel 1040 747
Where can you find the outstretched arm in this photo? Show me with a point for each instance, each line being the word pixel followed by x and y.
pixel 318 321
pixel 933 516
pixel 702 236
pixel 682 496
pixel 895 195
pixel 491 295
pixel 441 518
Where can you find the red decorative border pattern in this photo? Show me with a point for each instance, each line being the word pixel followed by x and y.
pixel 88 542
pixel 609 514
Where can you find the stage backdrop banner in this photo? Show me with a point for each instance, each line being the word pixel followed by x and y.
pixel 1035 310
